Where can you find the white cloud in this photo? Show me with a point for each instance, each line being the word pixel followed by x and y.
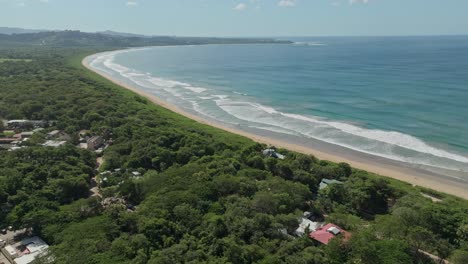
pixel 287 3
pixel 352 2
pixel 131 3
pixel 335 3
pixel 240 7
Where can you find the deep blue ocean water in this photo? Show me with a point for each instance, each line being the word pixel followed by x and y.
pixel 402 98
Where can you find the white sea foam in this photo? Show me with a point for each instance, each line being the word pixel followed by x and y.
pixel 308 44
pixel 388 144
pixel 389 137
pixel 276 129
pixel 195 89
pixel 206 97
pixel 221 97
pixel 166 83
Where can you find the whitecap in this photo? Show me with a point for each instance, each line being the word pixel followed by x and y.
pixel 196 89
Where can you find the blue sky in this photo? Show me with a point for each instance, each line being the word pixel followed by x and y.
pixel 242 17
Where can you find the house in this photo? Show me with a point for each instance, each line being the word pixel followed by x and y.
pixel 25 251
pixel 34 247
pixel 9 252
pixel 13 148
pixel 16 124
pixel 95 142
pixel 84 136
pixel 325 182
pixel 26 134
pixel 7 140
pixel 53 143
pixel 325 233
pixel 53 134
pixel 305 224
pixel 58 134
pixel 272 153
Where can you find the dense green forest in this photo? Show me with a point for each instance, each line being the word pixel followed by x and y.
pixel 205 195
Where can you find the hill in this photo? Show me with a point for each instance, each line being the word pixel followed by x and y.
pixel 14 30
pixel 70 38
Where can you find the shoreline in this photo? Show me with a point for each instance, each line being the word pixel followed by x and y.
pixel 380 166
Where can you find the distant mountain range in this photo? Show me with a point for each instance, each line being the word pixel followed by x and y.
pixel 13 30
pixel 121 34
pixel 109 39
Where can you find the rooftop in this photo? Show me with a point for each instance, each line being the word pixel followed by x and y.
pixel 53 143
pixel 306 223
pixel 327 232
pixel 325 182
pixel 273 153
pixel 53 133
pixel 34 244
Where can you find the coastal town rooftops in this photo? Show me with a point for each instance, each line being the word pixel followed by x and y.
pixel 53 143
pixel 95 139
pixel 16 121
pixel 53 133
pixel 7 140
pixel 27 134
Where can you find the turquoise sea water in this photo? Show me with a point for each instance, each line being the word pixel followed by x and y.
pixel 402 98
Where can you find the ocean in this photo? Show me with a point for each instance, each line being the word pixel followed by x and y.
pixel 399 98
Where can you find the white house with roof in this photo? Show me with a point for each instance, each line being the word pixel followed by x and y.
pixel 34 247
pixel 26 251
pixel 272 153
pixel 305 223
pixel 54 143
pixel 325 182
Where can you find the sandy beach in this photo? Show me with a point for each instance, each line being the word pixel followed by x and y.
pixel 366 162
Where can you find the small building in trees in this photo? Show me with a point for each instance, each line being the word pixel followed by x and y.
pixel 27 134
pixel 54 144
pixel 9 252
pixel 272 153
pixel 95 142
pixel 26 251
pixel 7 140
pixel 325 182
pixel 326 233
pixel 58 135
pixel 20 124
pixel 306 225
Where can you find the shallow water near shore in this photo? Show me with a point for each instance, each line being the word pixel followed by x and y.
pixel 402 99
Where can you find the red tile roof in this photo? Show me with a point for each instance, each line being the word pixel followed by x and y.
pixel 324 236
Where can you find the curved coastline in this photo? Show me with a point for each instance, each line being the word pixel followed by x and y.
pixel 325 151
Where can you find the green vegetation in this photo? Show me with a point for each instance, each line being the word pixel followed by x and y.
pixel 206 196
pixel 14 60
